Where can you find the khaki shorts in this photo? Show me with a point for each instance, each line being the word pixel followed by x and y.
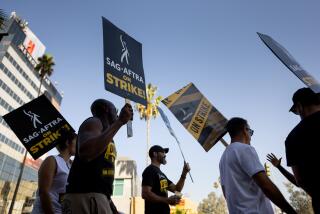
pixel 86 203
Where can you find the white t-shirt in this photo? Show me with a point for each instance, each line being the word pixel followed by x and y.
pixel 238 164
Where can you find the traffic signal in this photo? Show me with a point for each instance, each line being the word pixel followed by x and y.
pixel 216 185
pixel 267 169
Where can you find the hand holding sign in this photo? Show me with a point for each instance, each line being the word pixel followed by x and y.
pixel 123 68
pixel 126 113
pixel 186 169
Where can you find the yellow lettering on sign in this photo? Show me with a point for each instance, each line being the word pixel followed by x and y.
pixel 199 118
pixel 48 138
pixel 125 85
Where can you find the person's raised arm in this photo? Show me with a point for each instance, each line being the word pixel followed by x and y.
pixel 272 192
pixel 277 163
pixel 179 186
pixel 93 141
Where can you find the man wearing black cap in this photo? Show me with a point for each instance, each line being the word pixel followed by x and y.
pixel 155 184
pixel 302 144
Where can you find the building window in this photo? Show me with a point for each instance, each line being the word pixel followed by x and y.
pixel 21 71
pixel 16 81
pixel 11 168
pixel 12 144
pixel 11 92
pixel 3 122
pixel 118 187
pixel 5 105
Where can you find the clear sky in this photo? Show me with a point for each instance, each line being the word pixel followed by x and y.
pixel 211 43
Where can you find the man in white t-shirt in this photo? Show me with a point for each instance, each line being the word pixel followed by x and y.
pixel 244 182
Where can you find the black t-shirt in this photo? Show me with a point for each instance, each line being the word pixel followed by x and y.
pixel 153 177
pixel 302 148
pixel 93 176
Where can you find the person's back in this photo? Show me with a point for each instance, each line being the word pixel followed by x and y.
pixel 91 177
pixel 57 188
pixel 301 150
pixel 244 182
pixel 238 164
pixel 91 172
pixel 53 174
pixel 302 143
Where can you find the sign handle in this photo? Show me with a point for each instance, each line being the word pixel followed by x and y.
pixel 129 124
pixel 178 142
pixel 224 142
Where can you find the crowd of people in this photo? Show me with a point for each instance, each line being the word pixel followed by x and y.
pixel 86 186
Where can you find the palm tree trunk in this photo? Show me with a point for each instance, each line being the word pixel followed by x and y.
pixel 148 142
pixel 41 81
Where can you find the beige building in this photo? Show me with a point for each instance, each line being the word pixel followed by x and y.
pixel 127 187
pixel 19 84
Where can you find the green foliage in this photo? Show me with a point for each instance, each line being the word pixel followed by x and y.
pixel 3 18
pixel 44 67
pixel 299 199
pixel 213 204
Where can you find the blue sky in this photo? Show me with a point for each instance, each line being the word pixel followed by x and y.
pixel 208 42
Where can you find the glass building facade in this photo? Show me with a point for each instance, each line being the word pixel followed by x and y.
pixel 19 84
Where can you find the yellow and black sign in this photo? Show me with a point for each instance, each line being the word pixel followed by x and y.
pixel 197 115
pixel 38 125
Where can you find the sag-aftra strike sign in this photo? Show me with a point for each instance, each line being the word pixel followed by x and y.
pixel 37 124
pixel 123 68
pixel 287 59
pixel 197 115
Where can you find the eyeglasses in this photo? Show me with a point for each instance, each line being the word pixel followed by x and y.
pixel 250 131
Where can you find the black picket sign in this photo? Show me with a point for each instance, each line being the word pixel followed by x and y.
pixel 287 59
pixel 123 67
pixel 38 125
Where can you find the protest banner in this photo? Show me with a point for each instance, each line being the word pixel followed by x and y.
pixel 287 59
pixel 197 115
pixel 37 125
pixel 123 67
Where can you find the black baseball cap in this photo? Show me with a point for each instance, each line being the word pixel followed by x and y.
pixel 157 148
pixel 305 96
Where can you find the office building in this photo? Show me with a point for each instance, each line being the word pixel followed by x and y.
pixel 19 84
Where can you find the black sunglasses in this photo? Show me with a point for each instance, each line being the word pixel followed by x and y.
pixel 250 131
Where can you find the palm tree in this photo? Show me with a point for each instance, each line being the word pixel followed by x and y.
pixel 149 111
pixel 44 68
pixel 3 18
